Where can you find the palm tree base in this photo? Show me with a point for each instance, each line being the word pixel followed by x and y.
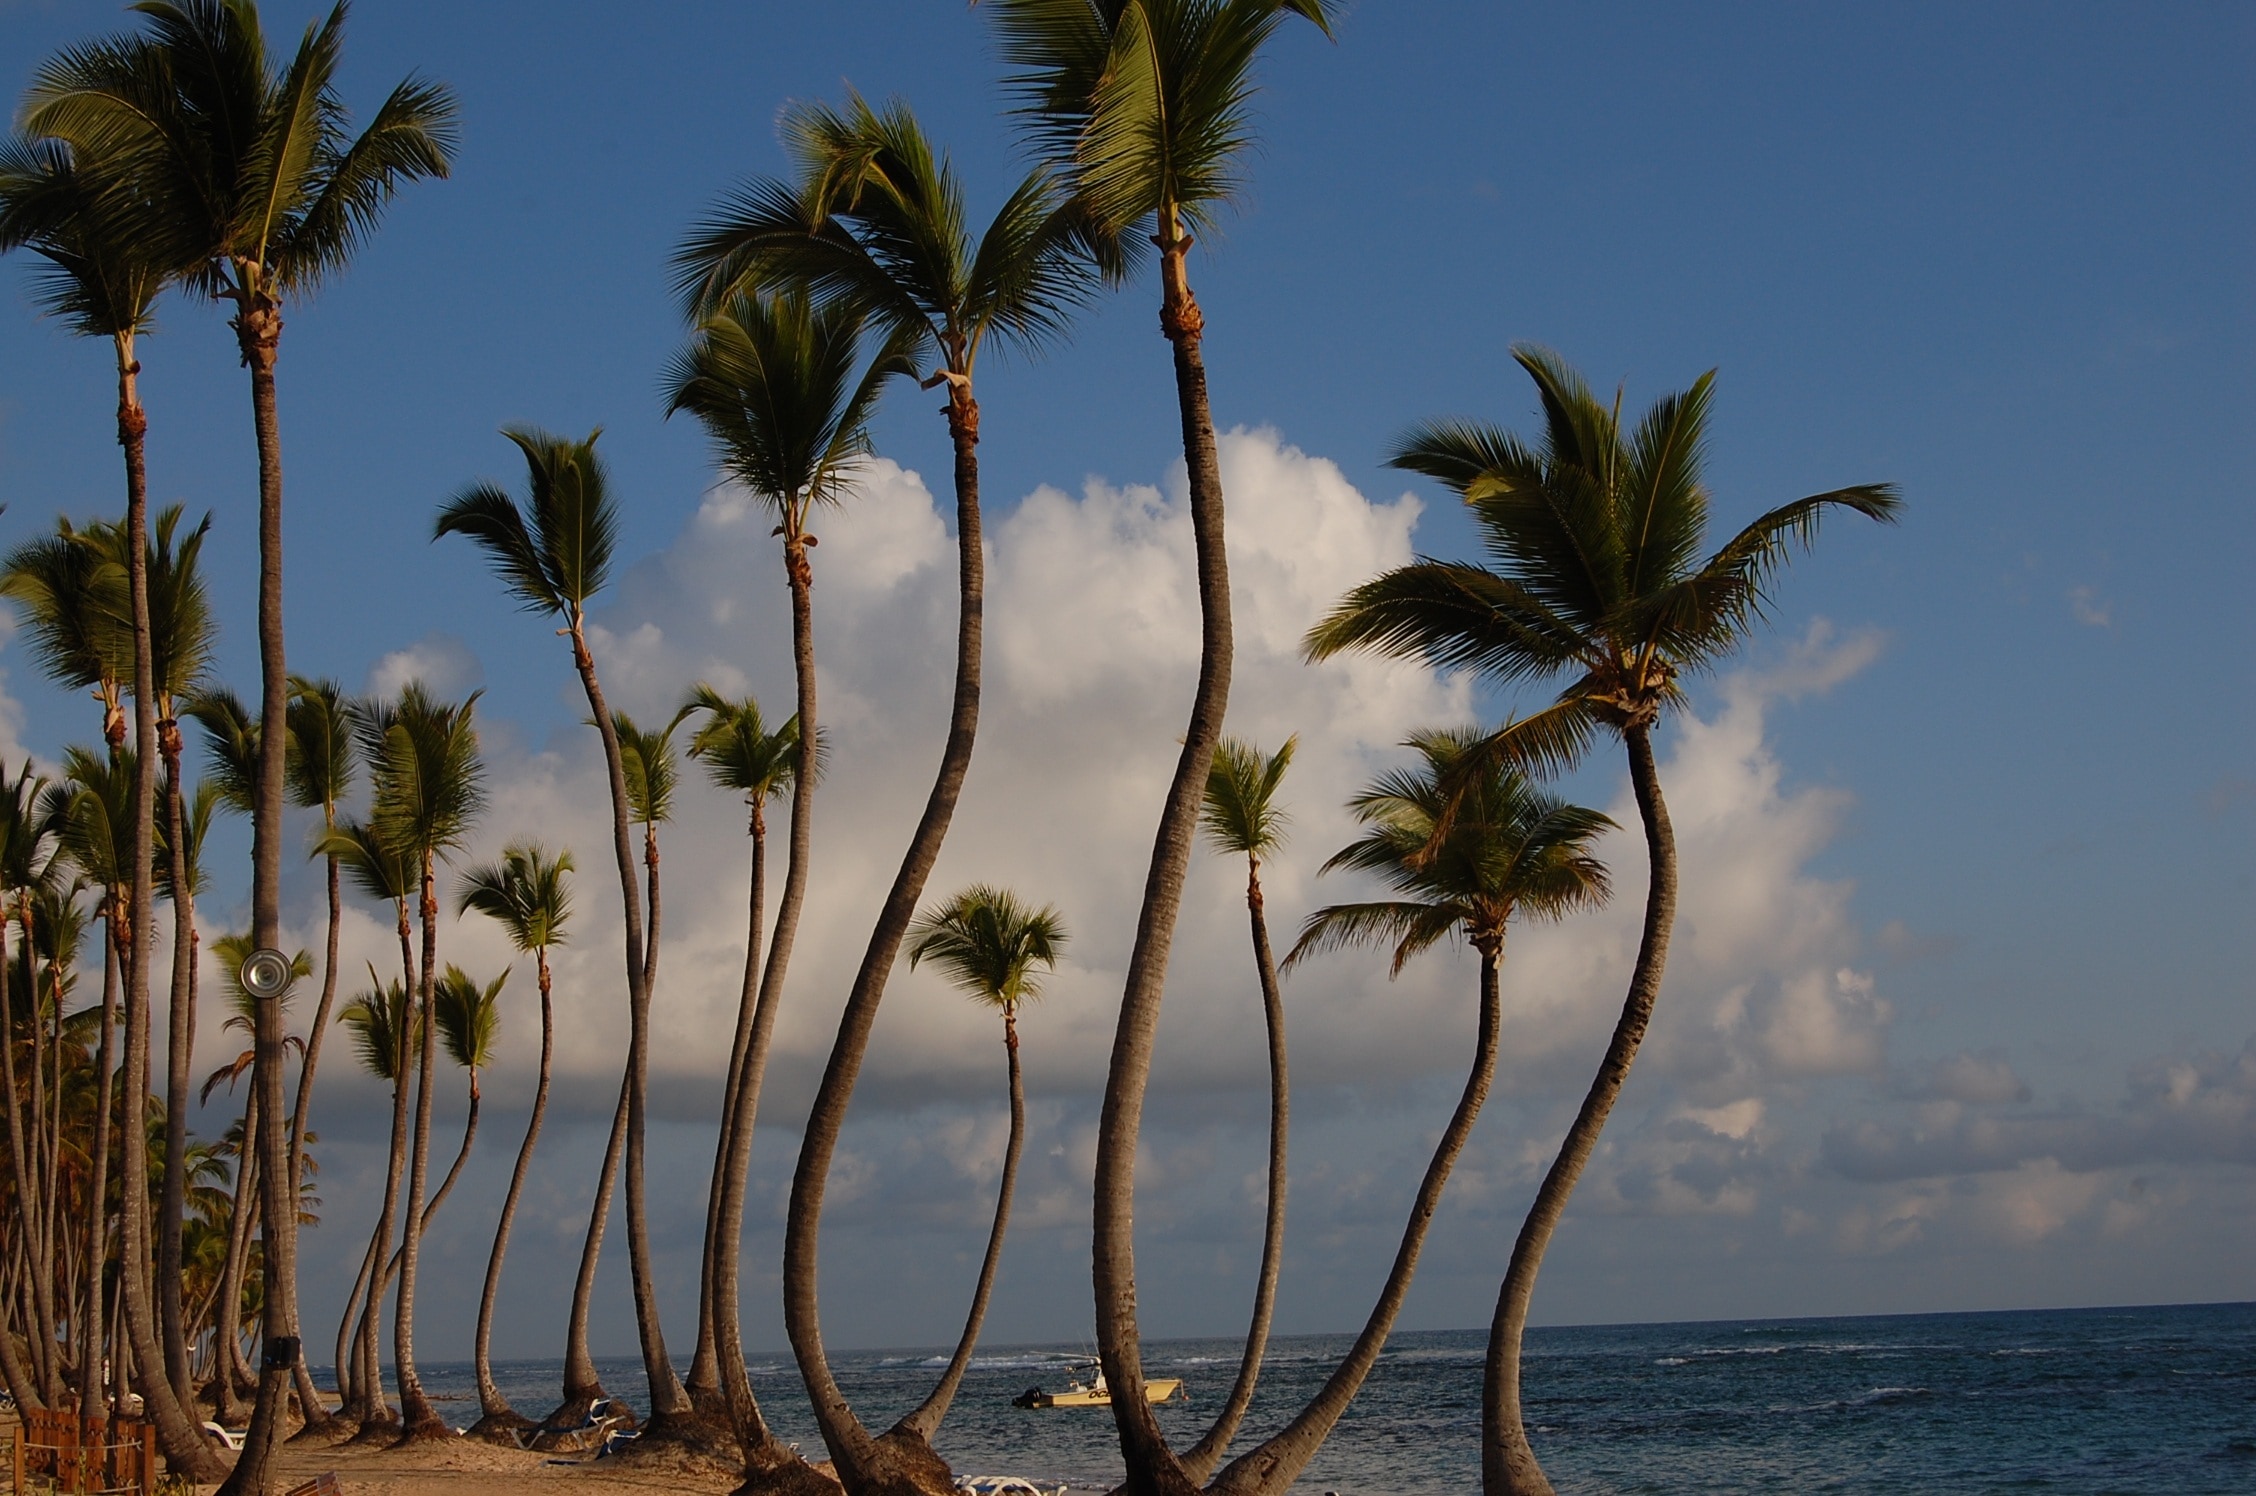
pixel 776 1469
pixel 676 1438
pixel 430 1429
pixel 380 1433
pixel 501 1428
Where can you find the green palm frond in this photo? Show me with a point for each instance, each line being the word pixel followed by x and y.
pixel 229 952
pixel 1240 813
pixel 231 745
pixel 555 551
pixel 385 1026
pixel 321 760
pixel 469 1017
pixel 107 257
pixel 651 768
pixel 739 752
pixel 27 832
pixel 426 776
pixel 93 812
pixel 528 893
pixel 70 597
pixel 988 943
pixel 374 866
pixel 196 812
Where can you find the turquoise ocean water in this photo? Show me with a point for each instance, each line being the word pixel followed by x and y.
pixel 2156 1400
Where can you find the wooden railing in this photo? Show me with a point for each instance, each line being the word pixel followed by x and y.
pixel 57 1449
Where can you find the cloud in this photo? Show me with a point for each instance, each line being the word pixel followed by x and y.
pixel 440 661
pixel 2089 608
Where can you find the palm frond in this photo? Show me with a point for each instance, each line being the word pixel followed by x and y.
pixel 1240 813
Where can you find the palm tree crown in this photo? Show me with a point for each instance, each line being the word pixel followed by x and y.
pixel 739 751
pixel 988 944
pixel 1509 848
pixel 384 1026
pixel 555 552
pixel 652 769
pixel 428 782
pixel 469 1018
pixel 1240 813
pixel 1595 537
pixel 528 893
pixel 322 754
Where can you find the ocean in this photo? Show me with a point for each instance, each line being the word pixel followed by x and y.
pixel 2147 1400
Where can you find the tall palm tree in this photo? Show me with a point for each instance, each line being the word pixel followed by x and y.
pixel 258 169
pixel 652 771
pixel 427 788
pixel 528 893
pixel 741 754
pixel 27 849
pixel 1143 106
pixel 877 221
pixel 469 1019
pixel 773 380
pixel 1468 844
pixel 1241 816
pixel 987 943
pixel 555 553
pixel 1594 538
pixel 382 1021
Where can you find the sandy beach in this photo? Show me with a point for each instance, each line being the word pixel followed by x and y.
pixel 463 1465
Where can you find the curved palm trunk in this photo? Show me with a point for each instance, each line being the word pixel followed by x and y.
pixel 180 1049
pixel 92 1331
pixel 498 1417
pixel 902 1461
pixel 1272 1466
pixel 351 1385
pixel 184 1445
pixel 582 1388
pixel 229 1375
pixel 927 1416
pixel 1508 1464
pixel 706 1392
pixel 374 1415
pixel 1152 1467
pixel 319 1422
pixel 20 1383
pixel 667 1399
pixel 1200 1458
pixel 420 1419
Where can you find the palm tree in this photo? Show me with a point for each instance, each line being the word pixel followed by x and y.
pixel 384 1026
pixel 27 849
pixel 652 771
pixel 527 893
pixel 772 379
pixel 877 222
pixel 741 754
pixel 555 553
pixel 1468 844
pixel 987 943
pixel 1241 816
pixel 1594 538
pixel 1143 106
pixel 258 172
pixel 427 787
pixel 469 1019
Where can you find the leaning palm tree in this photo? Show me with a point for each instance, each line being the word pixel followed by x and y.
pixel 469 1020
pixel 1144 108
pixel 1467 844
pixel 382 1021
pixel 988 943
pixel 877 221
pixel 527 893
pixel 1594 536
pixel 1241 816
pixel 427 787
pixel 27 851
pixel 554 553
pixel 256 170
pixel 773 380
pixel 741 754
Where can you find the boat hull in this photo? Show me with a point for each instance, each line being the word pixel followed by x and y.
pixel 1162 1389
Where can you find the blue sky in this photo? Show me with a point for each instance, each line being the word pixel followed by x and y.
pixel 1997 256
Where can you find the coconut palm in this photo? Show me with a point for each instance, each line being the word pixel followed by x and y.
pixel 27 848
pixel 527 893
pixel 987 943
pixel 877 220
pixel 1594 537
pixel 1143 108
pixel 741 754
pixel 256 170
pixel 652 770
pixel 383 1023
pixel 427 787
pixel 469 1019
pixel 1241 816
pixel 773 380
pixel 554 553
pixel 1468 845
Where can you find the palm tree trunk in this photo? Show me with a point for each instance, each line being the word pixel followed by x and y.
pixel 498 1417
pixel 706 1392
pixel 349 1386
pixel 180 1049
pixel 20 1383
pixel 420 1419
pixel 93 1331
pixel 229 1373
pixel 1508 1464
pixel 1200 1459
pixel 667 1399
pixel 903 1460
pixel 1153 1469
pixel 258 328
pixel 582 1388
pixel 184 1445
pixel 318 1420
pixel 373 1413
pixel 928 1414
pixel 45 1149
pixel 1270 1468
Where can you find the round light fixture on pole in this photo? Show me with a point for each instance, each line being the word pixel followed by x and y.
pixel 266 974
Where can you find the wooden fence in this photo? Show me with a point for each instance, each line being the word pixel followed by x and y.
pixel 57 1449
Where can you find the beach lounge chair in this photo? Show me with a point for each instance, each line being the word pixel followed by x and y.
pixel 231 1437
pixel 324 1484
pixel 1006 1485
